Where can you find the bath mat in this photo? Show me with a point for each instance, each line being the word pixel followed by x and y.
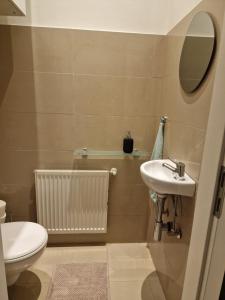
pixel 80 281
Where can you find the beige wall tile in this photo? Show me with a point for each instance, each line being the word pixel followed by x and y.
pixel 6 57
pixel 142 130
pixel 174 44
pixel 191 110
pixel 17 167
pixel 99 95
pixel 123 229
pixel 50 111
pixel 20 93
pixel 109 53
pixel 184 142
pixel 54 132
pixel 160 57
pixel 5 77
pixel 157 96
pixel 52 50
pixel 18 130
pixel 128 200
pixel 128 172
pixel 139 97
pixel 53 93
pixel 50 159
pixel 22 48
pixel 20 201
pixel 36 131
pixel 97 132
pixel 164 259
pixel 39 92
pixel 115 96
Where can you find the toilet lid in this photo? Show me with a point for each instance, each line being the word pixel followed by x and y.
pixel 22 238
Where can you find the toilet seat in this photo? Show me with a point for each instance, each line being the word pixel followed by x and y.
pixel 22 240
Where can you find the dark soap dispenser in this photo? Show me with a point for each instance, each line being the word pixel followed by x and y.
pixel 128 143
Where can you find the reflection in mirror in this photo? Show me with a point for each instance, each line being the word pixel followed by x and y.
pixel 197 52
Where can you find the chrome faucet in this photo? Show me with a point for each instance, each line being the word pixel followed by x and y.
pixel 179 169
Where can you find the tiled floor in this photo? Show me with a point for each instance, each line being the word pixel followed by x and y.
pixel 132 273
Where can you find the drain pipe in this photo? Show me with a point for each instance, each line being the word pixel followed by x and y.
pixel 170 227
pixel 159 225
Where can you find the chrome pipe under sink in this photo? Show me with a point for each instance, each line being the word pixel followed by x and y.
pixel 159 225
pixel 170 227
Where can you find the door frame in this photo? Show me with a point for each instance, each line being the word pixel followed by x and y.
pixel 210 168
pixel 215 265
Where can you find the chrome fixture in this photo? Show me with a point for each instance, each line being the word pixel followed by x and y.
pixel 170 227
pixel 163 119
pixel 159 225
pixel 179 169
pixel 173 229
pixel 113 171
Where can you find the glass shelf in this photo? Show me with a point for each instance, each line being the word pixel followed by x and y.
pixel 117 153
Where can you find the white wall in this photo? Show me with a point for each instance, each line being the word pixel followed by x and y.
pixel 179 9
pixel 142 16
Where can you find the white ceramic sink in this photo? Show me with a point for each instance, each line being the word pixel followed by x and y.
pixel 164 181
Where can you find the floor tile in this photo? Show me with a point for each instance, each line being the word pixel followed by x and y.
pixel 132 272
pixel 151 288
pixel 63 255
pixel 124 270
pixel 125 290
pixel 128 251
pixel 34 276
pixel 129 262
pixel 135 290
pixel 28 292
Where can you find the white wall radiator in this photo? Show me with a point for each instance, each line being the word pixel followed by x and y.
pixel 72 201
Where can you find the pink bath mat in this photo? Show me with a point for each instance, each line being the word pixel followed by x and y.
pixel 80 281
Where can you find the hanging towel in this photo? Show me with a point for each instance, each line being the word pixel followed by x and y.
pixel 157 152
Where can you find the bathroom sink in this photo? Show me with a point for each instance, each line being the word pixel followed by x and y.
pixel 164 181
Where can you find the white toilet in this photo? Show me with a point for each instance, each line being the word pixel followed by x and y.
pixel 23 244
pixel 2 211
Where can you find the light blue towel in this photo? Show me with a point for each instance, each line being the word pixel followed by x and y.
pixel 157 152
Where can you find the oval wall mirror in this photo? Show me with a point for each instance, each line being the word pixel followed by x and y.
pixel 197 52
